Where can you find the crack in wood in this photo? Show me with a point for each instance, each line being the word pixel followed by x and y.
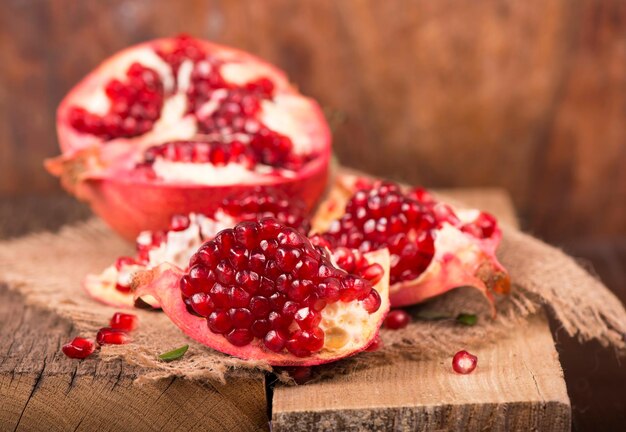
pixel 32 393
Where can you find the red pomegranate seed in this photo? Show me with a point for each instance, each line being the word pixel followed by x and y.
pixel 301 374
pixel 265 280
pixel 122 288
pixel 179 222
pixel 397 319
pixel 78 348
pixel 122 321
pixel 108 335
pixel 464 362
pixel 124 261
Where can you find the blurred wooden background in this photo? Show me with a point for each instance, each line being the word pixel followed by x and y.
pixel 528 95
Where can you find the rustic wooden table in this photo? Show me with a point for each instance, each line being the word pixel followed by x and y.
pixel 518 386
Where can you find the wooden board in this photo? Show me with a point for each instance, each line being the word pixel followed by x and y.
pixel 518 384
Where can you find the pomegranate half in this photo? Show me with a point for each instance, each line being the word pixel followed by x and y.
pixel 172 126
pixel 434 248
pixel 263 291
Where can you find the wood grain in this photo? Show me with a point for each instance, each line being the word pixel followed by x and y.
pixel 42 390
pixel 529 96
pixel 518 385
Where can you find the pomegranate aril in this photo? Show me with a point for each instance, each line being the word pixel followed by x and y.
pixel 108 335
pixel 307 318
pixel 123 321
pixel 397 319
pixel 78 348
pixel 202 304
pixel 464 362
pixel 123 262
pixel 179 222
pixel 275 341
pixel 372 302
pixel 220 322
pixel 240 337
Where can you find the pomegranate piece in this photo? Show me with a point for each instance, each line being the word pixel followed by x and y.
pixel 434 248
pixel 78 348
pixel 112 336
pixel 397 319
pixel 185 235
pixel 464 362
pixel 122 321
pixel 263 291
pixel 175 125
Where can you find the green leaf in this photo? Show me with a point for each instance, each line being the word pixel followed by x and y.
pixel 174 354
pixel 431 315
pixel 467 319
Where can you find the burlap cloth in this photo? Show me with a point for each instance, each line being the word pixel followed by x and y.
pixel 47 268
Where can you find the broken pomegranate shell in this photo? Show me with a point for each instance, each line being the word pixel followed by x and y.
pixel 184 236
pixel 263 291
pixel 172 126
pixel 434 247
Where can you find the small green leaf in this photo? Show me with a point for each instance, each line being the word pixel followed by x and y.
pixel 431 315
pixel 467 319
pixel 174 354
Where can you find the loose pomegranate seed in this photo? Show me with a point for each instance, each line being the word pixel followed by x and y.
pixel 108 335
pixel 78 348
pixel 397 319
pixel 264 280
pixel 464 362
pixel 122 321
pixel 300 374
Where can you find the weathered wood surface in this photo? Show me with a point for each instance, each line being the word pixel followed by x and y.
pixel 42 390
pixel 525 95
pixel 518 385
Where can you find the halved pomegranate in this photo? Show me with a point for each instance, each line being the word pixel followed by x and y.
pixel 434 248
pixel 175 125
pixel 183 237
pixel 263 291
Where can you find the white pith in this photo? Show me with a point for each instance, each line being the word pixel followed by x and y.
pixel 350 317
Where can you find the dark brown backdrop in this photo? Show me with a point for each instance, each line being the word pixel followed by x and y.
pixel 529 95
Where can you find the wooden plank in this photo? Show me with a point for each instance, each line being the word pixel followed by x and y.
pixel 518 384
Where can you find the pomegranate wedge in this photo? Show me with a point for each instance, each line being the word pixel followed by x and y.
pixel 262 291
pixel 434 248
pixel 172 126
pixel 184 236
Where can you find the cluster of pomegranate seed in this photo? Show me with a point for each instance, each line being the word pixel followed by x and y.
pixel 261 202
pixel 381 215
pixel 182 48
pixel 260 278
pixel 117 334
pixel 464 362
pixel 135 106
pixel 214 152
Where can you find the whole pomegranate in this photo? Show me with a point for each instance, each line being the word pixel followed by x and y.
pixel 434 247
pixel 184 235
pixel 172 126
pixel 263 291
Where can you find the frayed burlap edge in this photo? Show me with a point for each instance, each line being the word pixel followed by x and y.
pixel 48 269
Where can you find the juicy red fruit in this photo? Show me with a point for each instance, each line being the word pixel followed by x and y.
pixel 78 348
pixel 263 280
pixel 108 335
pixel 464 362
pixel 123 321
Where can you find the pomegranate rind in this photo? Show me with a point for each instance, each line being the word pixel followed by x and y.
pixel 101 287
pixel 460 259
pixel 163 284
pixel 98 173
